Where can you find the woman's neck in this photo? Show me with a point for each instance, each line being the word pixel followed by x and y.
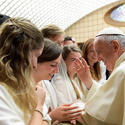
pixel 37 80
pixel 91 64
pixel 71 75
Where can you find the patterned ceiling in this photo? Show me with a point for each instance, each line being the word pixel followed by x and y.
pixel 60 12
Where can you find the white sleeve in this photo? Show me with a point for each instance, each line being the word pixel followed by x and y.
pixel 10 114
pixel 61 91
pixel 123 122
pixel 92 90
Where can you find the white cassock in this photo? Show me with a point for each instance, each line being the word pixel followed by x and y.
pixel 107 105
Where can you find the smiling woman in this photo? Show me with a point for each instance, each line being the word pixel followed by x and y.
pixel 97 68
pixel 47 67
pixel 89 54
pixel 48 61
pixel 70 55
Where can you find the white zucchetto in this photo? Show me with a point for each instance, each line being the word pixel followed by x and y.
pixel 110 31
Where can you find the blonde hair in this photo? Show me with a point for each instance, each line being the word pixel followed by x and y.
pixel 68 49
pixel 97 73
pixel 51 30
pixel 18 38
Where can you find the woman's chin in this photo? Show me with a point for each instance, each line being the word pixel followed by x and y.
pixel 50 77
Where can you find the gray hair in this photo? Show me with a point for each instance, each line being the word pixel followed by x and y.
pixel 109 37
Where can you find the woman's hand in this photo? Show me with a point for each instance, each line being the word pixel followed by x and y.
pixel 36 118
pixel 65 113
pixel 40 95
pixel 83 72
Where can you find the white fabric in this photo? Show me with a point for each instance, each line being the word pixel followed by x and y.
pixel 64 89
pixel 78 87
pixel 110 30
pixel 103 73
pixel 51 99
pixel 10 113
pixel 108 102
pixel 63 86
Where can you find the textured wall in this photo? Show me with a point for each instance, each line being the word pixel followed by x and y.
pixel 90 25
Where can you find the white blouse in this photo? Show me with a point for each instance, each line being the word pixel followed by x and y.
pixel 51 98
pixel 103 73
pixel 10 113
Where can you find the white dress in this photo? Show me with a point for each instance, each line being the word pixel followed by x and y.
pixel 103 73
pixel 10 113
pixel 51 98
pixel 80 89
pixel 64 89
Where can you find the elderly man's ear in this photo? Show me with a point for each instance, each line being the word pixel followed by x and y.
pixel 116 45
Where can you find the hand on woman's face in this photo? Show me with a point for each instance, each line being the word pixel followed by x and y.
pixel 83 72
pixel 70 60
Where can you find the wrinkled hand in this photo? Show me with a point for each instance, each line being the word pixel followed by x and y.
pixel 65 113
pixel 83 72
pixel 40 94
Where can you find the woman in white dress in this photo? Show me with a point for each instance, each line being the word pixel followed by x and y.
pixel 20 45
pixel 70 54
pixel 47 66
pixel 97 69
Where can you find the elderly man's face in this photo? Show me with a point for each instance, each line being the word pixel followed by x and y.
pixel 105 52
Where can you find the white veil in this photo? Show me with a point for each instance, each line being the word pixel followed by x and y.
pixel 64 89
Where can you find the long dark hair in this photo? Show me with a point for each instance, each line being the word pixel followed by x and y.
pixel 50 52
pixel 86 45
pixel 68 49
